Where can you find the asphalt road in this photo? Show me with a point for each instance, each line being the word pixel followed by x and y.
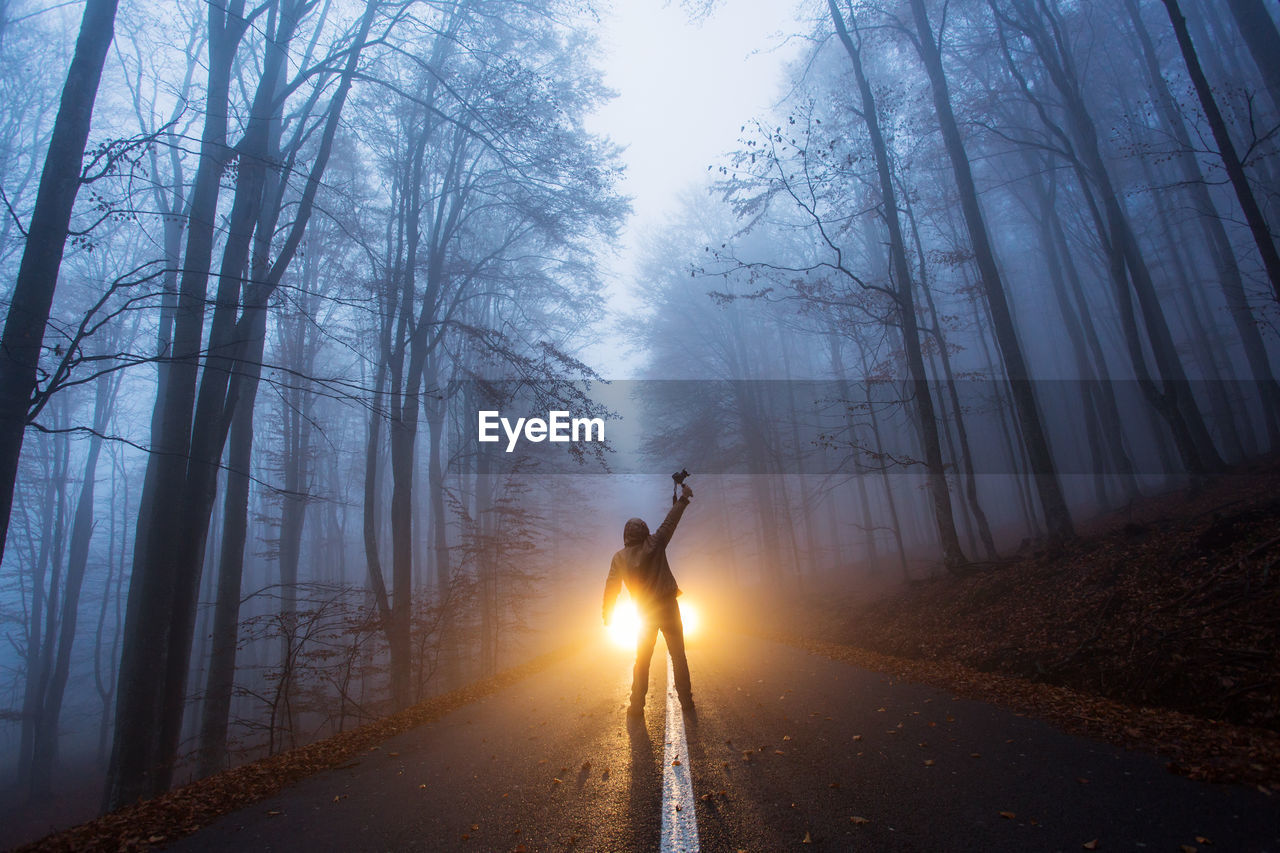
pixel 789 751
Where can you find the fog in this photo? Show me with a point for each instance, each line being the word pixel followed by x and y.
pixel 908 287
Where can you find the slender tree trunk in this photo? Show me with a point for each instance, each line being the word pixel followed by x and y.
pixel 32 297
pixel 220 676
pixel 953 556
pixel 1219 243
pixel 45 579
pixel 45 747
pixel 1106 403
pixel 1012 447
pixel 1222 137
pixel 859 472
pixel 136 765
pixel 1103 431
pixel 163 590
pixel 1260 36
pixel 1049 489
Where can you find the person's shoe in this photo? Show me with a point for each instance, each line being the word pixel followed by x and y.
pixel 635 713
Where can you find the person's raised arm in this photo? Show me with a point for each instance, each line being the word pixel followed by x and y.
pixel 668 527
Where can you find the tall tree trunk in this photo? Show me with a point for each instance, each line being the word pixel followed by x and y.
pixel 136 765
pixel 1226 148
pixel 953 557
pixel 45 579
pixel 859 471
pixel 1105 397
pixel 197 416
pixel 1215 233
pixel 1260 36
pixel 1049 489
pixel 1103 427
pixel 32 297
pixel 45 746
pixel 1126 266
pixel 965 459
pixel 220 676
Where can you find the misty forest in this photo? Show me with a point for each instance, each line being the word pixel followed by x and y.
pixel 967 289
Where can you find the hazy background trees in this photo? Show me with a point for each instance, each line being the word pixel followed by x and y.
pixel 987 269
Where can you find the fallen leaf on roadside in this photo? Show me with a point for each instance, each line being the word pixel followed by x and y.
pixel 928 762
pixel 807 839
pixel 1090 845
pixel 859 821
pixel 1008 815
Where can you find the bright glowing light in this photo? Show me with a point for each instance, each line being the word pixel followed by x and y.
pixel 689 616
pixel 625 625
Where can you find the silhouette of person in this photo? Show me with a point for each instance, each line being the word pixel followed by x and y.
pixel 642 564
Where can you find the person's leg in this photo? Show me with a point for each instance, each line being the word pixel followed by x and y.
pixel 673 632
pixel 645 641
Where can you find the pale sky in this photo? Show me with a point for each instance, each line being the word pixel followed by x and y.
pixel 685 88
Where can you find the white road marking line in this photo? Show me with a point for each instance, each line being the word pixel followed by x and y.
pixel 679 817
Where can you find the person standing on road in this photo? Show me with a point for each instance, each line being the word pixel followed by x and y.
pixel 642 564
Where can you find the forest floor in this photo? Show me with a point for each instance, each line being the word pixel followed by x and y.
pixel 1158 627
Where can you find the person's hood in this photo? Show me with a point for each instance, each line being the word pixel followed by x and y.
pixel 635 531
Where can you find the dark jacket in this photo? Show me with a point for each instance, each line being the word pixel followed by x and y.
pixel 642 562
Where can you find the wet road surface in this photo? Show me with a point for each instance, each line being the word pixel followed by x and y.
pixel 788 751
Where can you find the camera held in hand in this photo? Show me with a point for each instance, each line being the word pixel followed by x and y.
pixel 677 480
